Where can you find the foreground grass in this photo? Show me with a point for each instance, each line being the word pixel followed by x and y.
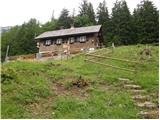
pixel 28 88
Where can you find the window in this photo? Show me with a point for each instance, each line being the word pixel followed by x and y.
pixel 82 38
pixel 38 44
pixel 48 42
pixel 71 40
pixel 59 41
pixel 78 39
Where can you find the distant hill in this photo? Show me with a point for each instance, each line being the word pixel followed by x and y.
pixel 5 29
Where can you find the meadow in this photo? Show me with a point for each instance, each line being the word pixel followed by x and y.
pixel 46 89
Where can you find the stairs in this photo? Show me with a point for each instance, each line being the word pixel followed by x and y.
pixel 149 110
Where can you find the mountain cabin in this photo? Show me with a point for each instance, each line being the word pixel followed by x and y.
pixel 72 40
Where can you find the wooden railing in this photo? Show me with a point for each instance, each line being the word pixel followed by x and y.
pixel 91 57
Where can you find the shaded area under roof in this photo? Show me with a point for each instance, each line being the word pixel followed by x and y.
pixel 70 31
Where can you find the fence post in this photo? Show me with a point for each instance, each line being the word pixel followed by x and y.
pixel 113 47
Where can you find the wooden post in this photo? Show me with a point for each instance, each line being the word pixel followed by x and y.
pixel 113 47
pixel 60 54
pixel 68 49
pixel 6 58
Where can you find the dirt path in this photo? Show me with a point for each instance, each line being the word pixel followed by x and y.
pixel 148 109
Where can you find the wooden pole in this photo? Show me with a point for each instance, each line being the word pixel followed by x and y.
pixel 113 58
pixel 6 58
pixel 113 47
pixel 110 65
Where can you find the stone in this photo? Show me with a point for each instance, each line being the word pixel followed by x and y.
pixel 149 114
pixel 137 91
pixel 124 80
pixel 130 86
pixel 147 104
pixel 140 98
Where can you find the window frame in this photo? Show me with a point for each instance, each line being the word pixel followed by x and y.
pixel 59 41
pixel 48 42
pixel 71 40
pixel 82 39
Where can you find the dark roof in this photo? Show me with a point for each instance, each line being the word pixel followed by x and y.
pixel 70 31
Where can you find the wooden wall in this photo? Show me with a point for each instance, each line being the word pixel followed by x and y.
pixel 91 42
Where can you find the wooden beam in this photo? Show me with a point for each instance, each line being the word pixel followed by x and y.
pixel 110 65
pixel 113 58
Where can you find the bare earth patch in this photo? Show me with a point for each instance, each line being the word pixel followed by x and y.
pixel 68 86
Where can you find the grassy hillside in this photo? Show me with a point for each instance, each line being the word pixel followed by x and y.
pixel 46 90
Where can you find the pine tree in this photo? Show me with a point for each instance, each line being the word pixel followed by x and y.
pixel 86 9
pixel 81 21
pixel 103 19
pixel 146 21
pixel 121 23
pixel 83 8
pixel 102 13
pixel 91 13
pixel 65 20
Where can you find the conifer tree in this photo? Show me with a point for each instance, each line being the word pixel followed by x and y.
pixel 146 22
pixel 65 20
pixel 86 9
pixel 103 19
pixel 121 23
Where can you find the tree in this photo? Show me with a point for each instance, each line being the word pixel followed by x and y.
pixel 25 38
pixel 122 23
pixel 146 22
pixel 102 13
pixel 7 39
pixel 21 39
pixel 65 20
pixel 80 21
pixel 103 19
pixel 49 26
pixel 86 9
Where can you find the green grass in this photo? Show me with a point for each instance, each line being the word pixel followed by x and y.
pixel 28 87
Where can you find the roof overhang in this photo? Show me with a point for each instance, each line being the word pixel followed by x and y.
pixel 69 32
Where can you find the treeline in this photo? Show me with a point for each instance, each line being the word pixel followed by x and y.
pixel 120 27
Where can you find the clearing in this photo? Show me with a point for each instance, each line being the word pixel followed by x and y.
pixel 76 88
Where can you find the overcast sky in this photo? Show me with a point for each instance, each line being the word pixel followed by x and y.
pixel 16 12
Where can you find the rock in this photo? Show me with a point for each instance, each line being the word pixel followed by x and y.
pixel 130 86
pixel 137 91
pixel 53 113
pixel 149 114
pixel 140 98
pixel 125 80
pixel 148 105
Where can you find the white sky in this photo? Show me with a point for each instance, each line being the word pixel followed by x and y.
pixel 16 12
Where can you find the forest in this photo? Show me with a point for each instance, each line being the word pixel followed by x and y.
pixel 120 27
